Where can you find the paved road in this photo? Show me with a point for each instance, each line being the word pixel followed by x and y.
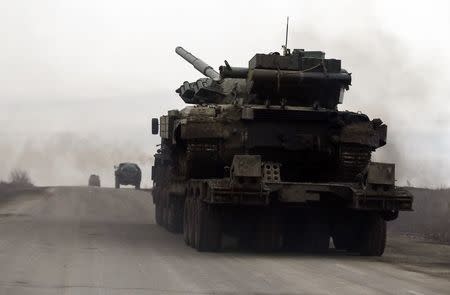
pixel 103 241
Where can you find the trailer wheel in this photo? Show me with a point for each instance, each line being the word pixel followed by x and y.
pixel 339 242
pixel 373 236
pixel 194 230
pixel 244 224
pixel 291 225
pixel 344 231
pixel 208 228
pixel 192 222
pixel 164 212
pixel 268 231
pixel 170 216
pixel 174 216
pixel 316 235
pixel 179 216
pixel 158 213
pixel 186 222
pixel 342 240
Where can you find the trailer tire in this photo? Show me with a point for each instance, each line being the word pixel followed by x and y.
pixel 344 232
pixel 373 236
pixel 192 223
pixel 174 216
pixel 186 222
pixel 344 241
pixel 164 212
pixel 208 227
pixel 268 231
pixel 316 234
pixel 158 214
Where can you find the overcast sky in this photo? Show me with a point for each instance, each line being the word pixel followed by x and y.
pixel 80 80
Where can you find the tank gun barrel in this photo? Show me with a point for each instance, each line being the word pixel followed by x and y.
pixel 199 64
pixel 233 72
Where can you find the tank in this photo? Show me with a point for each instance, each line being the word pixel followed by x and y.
pixel 263 154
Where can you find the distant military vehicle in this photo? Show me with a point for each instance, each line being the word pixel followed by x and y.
pixel 265 155
pixel 127 174
pixel 94 180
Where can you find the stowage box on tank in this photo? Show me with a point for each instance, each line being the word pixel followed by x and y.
pixel 263 154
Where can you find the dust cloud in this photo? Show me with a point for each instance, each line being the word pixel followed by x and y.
pixel 405 90
pixel 60 143
pixel 59 122
pixel 69 158
pixel 64 142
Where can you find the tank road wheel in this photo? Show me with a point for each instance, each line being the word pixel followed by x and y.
pixel 373 236
pixel 268 231
pixel 208 230
pixel 316 235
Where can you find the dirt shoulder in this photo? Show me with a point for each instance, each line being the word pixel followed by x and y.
pixel 419 254
pixel 8 190
pixel 431 215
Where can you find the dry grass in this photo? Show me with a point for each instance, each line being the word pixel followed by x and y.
pixel 20 178
pixel 19 181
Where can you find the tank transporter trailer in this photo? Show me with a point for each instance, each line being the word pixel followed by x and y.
pixel 264 155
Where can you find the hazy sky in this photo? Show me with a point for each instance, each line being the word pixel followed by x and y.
pixel 80 80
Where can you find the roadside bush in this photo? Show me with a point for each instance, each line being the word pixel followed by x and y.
pixel 20 178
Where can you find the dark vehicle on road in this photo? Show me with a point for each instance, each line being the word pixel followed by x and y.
pixel 94 180
pixel 127 174
pixel 264 155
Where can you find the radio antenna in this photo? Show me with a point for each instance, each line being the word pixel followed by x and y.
pixel 286 51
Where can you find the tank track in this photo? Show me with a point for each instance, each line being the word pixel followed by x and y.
pixel 353 159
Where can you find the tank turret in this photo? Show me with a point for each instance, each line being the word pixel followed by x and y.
pixel 298 78
pixel 301 78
